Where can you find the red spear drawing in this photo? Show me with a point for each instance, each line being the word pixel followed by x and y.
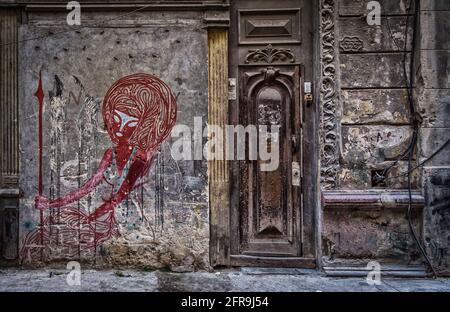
pixel 40 95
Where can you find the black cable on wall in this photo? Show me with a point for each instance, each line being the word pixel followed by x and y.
pixel 414 120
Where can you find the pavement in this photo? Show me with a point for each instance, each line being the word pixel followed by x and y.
pixel 238 280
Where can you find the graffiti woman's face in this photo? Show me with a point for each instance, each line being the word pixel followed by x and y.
pixel 124 125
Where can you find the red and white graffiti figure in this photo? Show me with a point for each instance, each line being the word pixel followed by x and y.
pixel 139 112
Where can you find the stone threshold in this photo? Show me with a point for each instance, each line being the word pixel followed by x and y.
pixel 361 268
pixel 276 271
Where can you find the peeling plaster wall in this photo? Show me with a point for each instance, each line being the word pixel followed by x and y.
pixel 164 222
pixel 380 234
pixel 372 114
pixel 373 105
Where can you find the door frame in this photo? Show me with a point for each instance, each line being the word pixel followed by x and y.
pixel 221 195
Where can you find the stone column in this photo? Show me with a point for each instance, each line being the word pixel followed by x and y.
pixel 9 134
pixel 218 171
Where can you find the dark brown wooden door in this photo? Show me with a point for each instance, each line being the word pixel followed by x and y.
pixel 270 197
pixel 272 222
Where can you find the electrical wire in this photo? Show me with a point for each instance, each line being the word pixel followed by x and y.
pixel 420 164
pixel 414 120
pixel 411 143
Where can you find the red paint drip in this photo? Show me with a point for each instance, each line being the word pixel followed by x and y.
pixel 40 96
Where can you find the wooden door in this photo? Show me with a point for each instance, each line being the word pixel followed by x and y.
pixel 271 57
pixel 270 199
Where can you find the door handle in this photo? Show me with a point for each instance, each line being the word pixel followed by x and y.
pixel 308 99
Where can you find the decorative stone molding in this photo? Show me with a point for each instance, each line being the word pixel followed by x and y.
pixel 216 19
pixel 9 192
pixel 351 44
pixel 328 96
pixel 371 199
pixel 270 55
pixel 165 5
pixel 358 268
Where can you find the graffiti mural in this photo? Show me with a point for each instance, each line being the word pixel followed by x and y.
pixel 139 112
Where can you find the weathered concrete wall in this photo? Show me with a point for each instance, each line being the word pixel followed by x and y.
pixel 373 99
pixel 373 123
pixel 164 222
pixel 433 93
pixel 369 234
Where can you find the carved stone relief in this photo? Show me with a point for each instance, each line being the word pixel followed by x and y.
pixel 270 55
pixel 351 44
pixel 328 96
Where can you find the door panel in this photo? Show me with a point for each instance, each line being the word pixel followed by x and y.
pixel 258 26
pixel 269 209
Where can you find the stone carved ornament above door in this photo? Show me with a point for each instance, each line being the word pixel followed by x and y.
pixel 270 55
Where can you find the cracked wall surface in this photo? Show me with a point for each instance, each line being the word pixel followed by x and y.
pixel 163 223
pixel 373 123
